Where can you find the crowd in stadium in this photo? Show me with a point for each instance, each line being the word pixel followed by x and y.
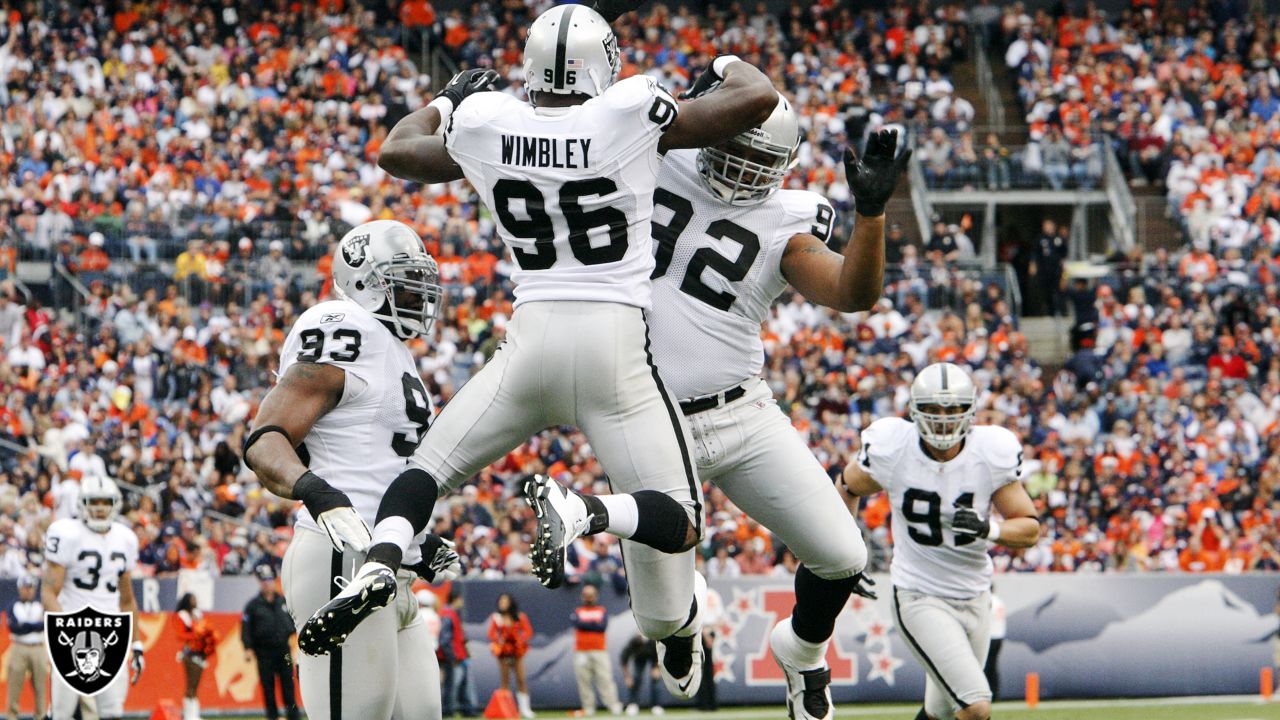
pixel 1158 448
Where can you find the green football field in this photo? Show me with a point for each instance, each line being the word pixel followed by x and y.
pixel 1234 708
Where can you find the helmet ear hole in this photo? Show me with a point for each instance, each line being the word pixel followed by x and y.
pixel 359 285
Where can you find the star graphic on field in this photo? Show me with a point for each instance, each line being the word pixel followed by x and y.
pixel 877 632
pixel 744 602
pixel 883 665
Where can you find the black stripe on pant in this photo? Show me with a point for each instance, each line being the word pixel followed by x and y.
pixel 920 651
pixel 335 658
pixel 694 489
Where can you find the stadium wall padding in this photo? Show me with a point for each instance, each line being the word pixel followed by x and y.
pixel 1086 635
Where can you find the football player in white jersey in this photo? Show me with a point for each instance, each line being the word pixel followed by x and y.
pixel 348 411
pixel 569 176
pixel 945 477
pixel 88 563
pixel 728 241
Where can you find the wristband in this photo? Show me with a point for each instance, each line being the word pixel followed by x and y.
pixel 722 62
pixel 993 533
pixel 318 496
pixel 444 106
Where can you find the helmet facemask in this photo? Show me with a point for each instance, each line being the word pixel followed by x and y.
pixel 942 423
pixel 99 511
pixel 746 169
pixel 414 296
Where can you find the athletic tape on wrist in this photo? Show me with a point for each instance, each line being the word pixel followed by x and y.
pixel 722 62
pixel 444 106
pixel 993 533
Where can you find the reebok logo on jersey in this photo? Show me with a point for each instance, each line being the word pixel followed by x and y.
pixel 88 647
pixel 332 317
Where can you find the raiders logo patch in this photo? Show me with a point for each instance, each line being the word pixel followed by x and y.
pixel 332 317
pixel 88 647
pixel 353 250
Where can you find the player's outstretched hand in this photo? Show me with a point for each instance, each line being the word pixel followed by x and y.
pixel 967 521
pixel 862 584
pixel 440 561
pixel 710 78
pixel 136 664
pixel 469 82
pixel 611 10
pixel 873 177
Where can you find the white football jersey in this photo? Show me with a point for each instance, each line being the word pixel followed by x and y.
pixel 94 562
pixel 927 556
pixel 718 270
pixel 571 189
pixel 364 442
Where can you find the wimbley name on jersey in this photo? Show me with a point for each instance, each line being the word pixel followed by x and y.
pixel 545 152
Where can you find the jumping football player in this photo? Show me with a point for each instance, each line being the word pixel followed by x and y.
pixel 569 176
pixel 728 242
pixel 88 562
pixel 348 411
pixel 944 477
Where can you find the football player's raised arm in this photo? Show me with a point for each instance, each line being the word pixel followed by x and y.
pixel 413 150
pixel 744 99
pixel 852 280
pixel 51 587
pixel 1021 527
pixel 305 393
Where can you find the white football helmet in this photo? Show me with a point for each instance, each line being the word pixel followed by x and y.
pixel 100 502
pixel 383 267
pixel 750 167
pixel 943 403
pixel 571 49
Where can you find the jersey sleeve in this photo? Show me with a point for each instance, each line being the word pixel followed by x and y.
pixel 879 450
pixel 1003 453
pixel 643 97
pixel 341 335
pixel 470 124
pixel 60 542
pixel 130 542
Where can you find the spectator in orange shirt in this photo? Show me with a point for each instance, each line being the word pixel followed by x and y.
pixel 591 659
pixel 509 636
pixel 417 13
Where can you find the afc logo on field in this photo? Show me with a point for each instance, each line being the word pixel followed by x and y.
pixel 88 647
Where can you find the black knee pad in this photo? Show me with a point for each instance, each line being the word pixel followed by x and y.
pixel 412 496
pixel 664 524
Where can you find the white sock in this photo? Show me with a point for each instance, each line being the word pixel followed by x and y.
pixel 624 516
pixel 395 530
pixel 809 656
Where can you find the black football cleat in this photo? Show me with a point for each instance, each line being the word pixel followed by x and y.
pixel 328 627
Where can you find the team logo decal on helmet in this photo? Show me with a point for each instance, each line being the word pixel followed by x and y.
pixel 353 249
pixel 88 647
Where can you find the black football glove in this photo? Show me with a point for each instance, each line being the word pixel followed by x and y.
pixel 708 81
pixel 613 9
pixel 440 561
pixel 873 177
pixel 968 522
pixel 469 82
pixel 862 585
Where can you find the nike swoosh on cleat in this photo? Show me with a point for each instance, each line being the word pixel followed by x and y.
pixel 684 686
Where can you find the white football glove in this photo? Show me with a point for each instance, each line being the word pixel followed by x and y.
pixel 440 561
pixel 346 529
pixel 136 664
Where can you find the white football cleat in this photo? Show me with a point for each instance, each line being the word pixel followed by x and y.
pixel 373 588
pixel 562 518
pixel 680 658
pixel 808 691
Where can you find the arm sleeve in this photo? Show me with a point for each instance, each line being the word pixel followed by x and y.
pixel 339 337
pixel 876 445
pixel 1005 459
pixel 60 544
